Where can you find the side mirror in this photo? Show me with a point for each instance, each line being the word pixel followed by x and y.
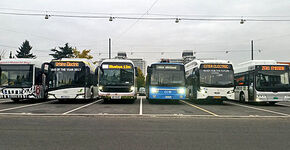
pixel 136 71
pixel 149 69
pixel 97 71
pixel 45 67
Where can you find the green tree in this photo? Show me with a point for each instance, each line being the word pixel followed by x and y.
pixel 24 51
pixel 83 54
pixel 63 52
pixel 140 79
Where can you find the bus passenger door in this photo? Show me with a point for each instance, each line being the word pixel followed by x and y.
pixel 251 90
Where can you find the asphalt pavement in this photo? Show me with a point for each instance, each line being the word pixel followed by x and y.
pixel 93 124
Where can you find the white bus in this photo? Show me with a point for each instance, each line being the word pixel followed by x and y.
pixel 262 81
pixel 210 80
pixel 71 78
pixel 22 79
pixel 117 80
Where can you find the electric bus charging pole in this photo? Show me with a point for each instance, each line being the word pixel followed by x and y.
pixel 109 48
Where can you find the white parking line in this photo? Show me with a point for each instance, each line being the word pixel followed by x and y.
pixel 283 105
pixel 12 108
pixel 202 109
pixel 65 113
pixel 261 109
pixel 141 109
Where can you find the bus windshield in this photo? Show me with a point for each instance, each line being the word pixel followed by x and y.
pixel 117 77
pixel 216 78
pixel 67 77
pixel 116 74
pixel 272 81
pixel 168 78
pixel 16 76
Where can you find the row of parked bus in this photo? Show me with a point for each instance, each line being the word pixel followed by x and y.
pixel 72 78
pixel 67 78
pixel 217 80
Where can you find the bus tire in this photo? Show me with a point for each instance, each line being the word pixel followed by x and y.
pixel 272 103
pixel 15 99
pixel 105 101
pixel 131 101
pixel 242 98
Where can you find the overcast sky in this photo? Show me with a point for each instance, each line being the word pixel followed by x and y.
pixel 145 36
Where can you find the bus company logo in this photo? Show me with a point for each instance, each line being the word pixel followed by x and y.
pixel 216 66
pixel 119 67
pixel 66 64
pixel 273 68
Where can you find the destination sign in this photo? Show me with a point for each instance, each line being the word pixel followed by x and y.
pixel 278 68
pixel 67 64
pixel 215 66
pixel 115 66
pixel 169 67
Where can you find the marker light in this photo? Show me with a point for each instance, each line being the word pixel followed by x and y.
pixel 181 91
pixel 154 90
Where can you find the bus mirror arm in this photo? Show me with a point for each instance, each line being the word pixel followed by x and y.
pixel 97 71
pixel 136 71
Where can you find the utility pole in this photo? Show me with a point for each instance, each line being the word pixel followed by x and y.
pixel 109 48
pixel 252 49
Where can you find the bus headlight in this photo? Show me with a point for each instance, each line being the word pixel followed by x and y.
pixel 132 88
pixel 154 90
pixel 202 91
pixel 181 91
pixel 230 92
pixel 261 96
pixel 287 97
pixel 101 88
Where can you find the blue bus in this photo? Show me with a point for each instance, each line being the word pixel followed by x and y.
pixel 165 81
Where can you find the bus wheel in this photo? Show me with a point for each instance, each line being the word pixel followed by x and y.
pixel 272 103
pixel 15 99
pixel 242 98
pixel 131 101
pixel 105 101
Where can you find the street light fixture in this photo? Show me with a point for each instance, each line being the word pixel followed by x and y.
pixel 46 16
pixel 111 18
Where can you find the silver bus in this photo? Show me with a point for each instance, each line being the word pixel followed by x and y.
pixel 262 81
pixel 117 80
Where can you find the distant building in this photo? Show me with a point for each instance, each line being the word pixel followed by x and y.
pixel 140 63
pixel 187 56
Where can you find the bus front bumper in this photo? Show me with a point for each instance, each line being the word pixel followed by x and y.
pixel 104 95
pixel 165 97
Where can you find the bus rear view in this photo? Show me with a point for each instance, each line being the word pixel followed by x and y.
pixel 165 81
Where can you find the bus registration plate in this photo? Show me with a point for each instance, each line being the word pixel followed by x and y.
pixel 217 97
pixel 167 96
pixel 115 97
